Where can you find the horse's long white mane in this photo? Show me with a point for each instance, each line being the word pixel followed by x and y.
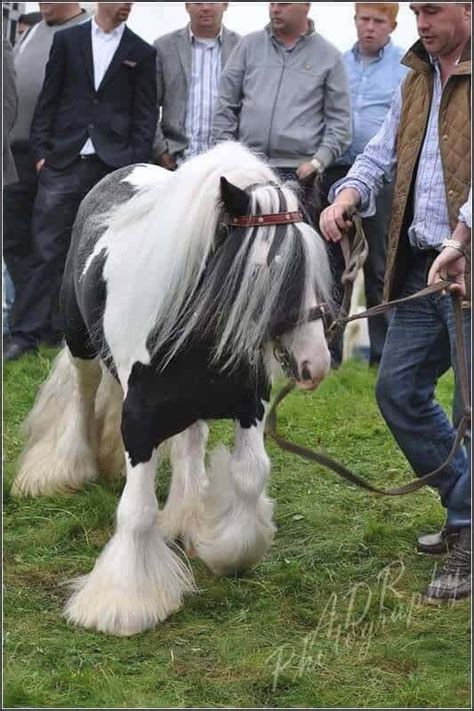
pixel 173 224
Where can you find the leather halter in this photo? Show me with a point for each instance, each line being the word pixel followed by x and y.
pixel 276 218
pixel 321 311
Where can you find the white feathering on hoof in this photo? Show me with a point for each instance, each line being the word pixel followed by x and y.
pixel 135 584
pixel 234 534
pixel 59 453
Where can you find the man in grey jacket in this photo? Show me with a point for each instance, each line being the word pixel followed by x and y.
pixel 189 63
pixel 285 93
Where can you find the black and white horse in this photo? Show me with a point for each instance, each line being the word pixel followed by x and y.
pixel 177 288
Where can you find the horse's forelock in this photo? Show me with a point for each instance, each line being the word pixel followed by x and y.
pixel 257 272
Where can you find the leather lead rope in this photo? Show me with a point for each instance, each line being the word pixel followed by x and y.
pixel 355 253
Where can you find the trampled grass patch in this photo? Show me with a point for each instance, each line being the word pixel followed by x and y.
pixel 331 617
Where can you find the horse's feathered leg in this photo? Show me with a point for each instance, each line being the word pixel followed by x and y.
pixel 138 580
pixel 237 529
pixel 183 509
pixel 59 454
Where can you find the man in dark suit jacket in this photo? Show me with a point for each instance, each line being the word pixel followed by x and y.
pixel 96 112
pixel 188 65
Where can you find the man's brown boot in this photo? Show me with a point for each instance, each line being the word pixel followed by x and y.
pixel 453 581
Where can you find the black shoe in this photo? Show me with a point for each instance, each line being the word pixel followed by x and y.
pixel 14 350
pixel 453 582
pixel 437 543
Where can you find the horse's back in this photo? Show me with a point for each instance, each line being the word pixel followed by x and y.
pixel 83 290
pixel 110 193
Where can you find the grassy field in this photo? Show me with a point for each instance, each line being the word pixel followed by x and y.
pixel 330 618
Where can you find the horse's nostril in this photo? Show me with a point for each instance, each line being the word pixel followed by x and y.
pixel 305 371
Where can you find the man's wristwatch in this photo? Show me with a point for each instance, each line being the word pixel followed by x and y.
pixel 316 164
pixel 455 244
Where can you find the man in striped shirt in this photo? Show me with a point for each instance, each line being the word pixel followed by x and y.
pixel 189 64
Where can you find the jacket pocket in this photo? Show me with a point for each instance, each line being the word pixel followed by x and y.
pixel 120 125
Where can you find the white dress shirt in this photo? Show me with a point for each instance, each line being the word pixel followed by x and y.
pixel 104 46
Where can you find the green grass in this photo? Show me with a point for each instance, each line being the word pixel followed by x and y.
pixel 329 618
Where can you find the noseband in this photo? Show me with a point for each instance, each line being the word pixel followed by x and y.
pixel 321 311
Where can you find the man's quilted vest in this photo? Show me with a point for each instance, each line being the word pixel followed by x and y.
pixel 455 148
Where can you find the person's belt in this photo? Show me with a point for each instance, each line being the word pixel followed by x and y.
pixel 89 156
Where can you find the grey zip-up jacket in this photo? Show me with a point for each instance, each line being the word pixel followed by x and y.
pixel 290 105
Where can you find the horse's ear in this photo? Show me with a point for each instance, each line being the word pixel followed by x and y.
pixel 236 201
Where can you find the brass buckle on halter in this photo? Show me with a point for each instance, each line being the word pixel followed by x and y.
pixel 285 360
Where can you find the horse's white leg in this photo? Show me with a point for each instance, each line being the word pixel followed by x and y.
pixel 183 508
pixel 59 454
pixel 237 527
pixel 138 580
pixel 108 414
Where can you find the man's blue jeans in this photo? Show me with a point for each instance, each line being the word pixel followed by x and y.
pixel 420 347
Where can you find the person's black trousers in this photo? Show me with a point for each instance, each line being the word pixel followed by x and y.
pixel 35 314
pixel 18 202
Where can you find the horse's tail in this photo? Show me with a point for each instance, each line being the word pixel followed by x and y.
pixel 60 432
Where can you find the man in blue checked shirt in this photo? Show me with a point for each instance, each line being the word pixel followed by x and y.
pixel 425 141
pixel 374 70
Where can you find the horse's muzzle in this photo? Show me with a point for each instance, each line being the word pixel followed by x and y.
pixel 311 384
